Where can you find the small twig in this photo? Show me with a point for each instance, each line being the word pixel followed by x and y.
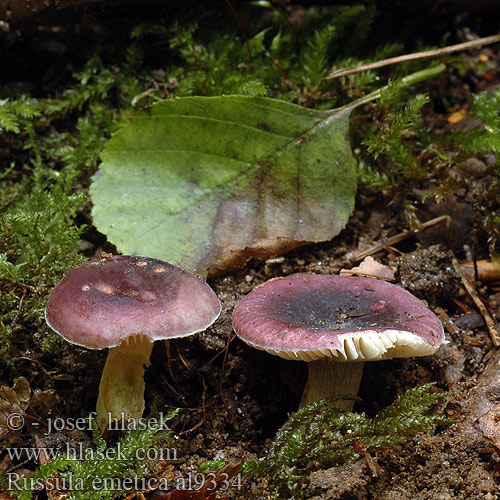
pixel 446 320
pixel 183 360
pixel 490 323
pixel 226 352
pixel 28 287
pixel 168 355
pixel 200 69
pixel 203 409
pixel 395 250
pixel 482 270
pixel 474 44
pixel 281 13
pixel 174 390
pixel 241 26
pixel 16 317
pixel 275 260
pixel 279 66
pixel 18 465
pixel 36 362
pixel 169 359
pixel 399 237
pixel 222 351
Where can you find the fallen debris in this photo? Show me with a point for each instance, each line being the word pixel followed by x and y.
pixel 20 406
pixel 451 49
pixel 371 269
pixel 483 406
pixel 490 322
pixel 359 256
pixel 486 270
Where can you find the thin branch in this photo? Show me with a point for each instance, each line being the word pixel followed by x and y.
pixel 241 26
pixel 447 322
pixel 21 301
pixel 474 44
pixel 356 257
pixel 200 69
pixel 490 322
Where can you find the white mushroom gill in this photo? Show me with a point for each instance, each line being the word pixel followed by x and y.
pixel 341 371
pixel 366 345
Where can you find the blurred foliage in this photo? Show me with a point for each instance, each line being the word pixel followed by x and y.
pixel 37 245
pixel 485 138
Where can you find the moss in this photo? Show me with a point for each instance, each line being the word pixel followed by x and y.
pixel 319 437
pixel 486 138
pixel 391 140
pixel 38 245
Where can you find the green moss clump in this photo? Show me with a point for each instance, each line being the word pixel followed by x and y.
pixel 391 141
pixel 318 437
pixel 486 138
pixel 38 241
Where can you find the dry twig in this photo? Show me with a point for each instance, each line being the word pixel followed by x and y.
pixel 490 323
pixel 356 257
pixel 483 270
pixel 474 44
pixel 446 320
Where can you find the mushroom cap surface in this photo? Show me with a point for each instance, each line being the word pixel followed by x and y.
pixel 101 303
pixel 311 316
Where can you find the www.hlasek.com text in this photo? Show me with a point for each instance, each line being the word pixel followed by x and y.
pixel 80 452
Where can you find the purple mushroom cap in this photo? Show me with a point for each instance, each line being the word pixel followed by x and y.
pixel 309 316
pixel 99 304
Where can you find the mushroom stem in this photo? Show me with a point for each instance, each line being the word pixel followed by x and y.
pixel 328 378
pixel 121 391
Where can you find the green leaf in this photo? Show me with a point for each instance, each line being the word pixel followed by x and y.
pixel 207 183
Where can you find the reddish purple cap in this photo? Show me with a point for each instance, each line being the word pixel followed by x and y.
pixel 101 303
pixel 310 316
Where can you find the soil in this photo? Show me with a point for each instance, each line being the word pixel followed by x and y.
pixel 233 398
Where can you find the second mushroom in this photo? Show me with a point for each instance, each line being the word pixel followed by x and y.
pixel 335 323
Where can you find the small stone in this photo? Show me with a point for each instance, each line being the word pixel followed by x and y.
pixel 490 160
pixel 85 247
pixel 473 167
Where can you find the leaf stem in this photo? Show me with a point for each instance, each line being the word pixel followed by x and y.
pixel 408 80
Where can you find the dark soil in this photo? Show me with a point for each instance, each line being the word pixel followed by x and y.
pixel 248 393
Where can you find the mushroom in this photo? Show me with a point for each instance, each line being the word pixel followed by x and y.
pixel 335 323
pixel 126 303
